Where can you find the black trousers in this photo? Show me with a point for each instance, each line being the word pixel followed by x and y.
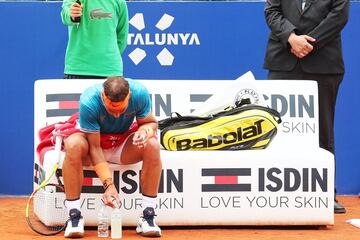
pixel 71 76
pixel 328 86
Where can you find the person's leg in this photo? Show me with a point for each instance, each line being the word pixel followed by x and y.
pixel 151 164
pixel 328 86
pixel 149 181
pixel 76 148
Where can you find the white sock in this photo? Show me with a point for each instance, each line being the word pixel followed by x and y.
pixel 71 204
pixel 148 202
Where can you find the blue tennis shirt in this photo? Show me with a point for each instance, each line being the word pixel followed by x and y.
pixel 94 117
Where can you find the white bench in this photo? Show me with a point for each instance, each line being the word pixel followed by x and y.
pixel 289 183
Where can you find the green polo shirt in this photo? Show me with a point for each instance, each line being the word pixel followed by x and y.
pixel 96 44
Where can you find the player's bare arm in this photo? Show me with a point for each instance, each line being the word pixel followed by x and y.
pixel 102 169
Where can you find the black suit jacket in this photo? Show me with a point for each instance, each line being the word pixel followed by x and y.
pixel 320 19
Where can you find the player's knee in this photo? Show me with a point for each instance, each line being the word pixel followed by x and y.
pixel 151 154
pixel 153 145
pixel 76 148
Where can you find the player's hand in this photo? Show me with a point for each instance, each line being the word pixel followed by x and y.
pixel 76 10
pixel 140 138
pixel 111 195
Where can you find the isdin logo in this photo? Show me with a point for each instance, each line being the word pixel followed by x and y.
pixel 144 39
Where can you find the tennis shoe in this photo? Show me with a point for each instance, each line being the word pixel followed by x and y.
pixel 75 225
pixel 147 226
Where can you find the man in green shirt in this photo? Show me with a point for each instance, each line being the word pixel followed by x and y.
pixel 96 42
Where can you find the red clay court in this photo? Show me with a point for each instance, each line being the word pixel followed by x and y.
pixel 14 226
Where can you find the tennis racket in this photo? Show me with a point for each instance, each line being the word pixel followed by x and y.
pixel 47 194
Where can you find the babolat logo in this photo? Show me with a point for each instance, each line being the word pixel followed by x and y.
pixel 164 57
pixel 226 140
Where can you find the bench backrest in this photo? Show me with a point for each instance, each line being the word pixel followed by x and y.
pixel 297 102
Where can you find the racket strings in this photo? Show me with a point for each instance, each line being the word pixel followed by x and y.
pixel 43 221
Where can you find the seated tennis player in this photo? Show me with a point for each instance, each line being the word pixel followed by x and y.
pixel 107 113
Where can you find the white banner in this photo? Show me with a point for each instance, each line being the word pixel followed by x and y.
pixel 289 183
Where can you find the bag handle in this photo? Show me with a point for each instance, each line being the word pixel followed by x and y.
pixel 236 110
pixel 179 118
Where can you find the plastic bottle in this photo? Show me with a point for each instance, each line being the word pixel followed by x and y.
pixel 116 226
pixel 103 222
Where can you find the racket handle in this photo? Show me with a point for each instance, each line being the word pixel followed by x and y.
pixel 58 142
pixel 78 19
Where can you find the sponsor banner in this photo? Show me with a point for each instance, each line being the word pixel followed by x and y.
pixel 297 103
pixel 283 184
pixel 295 100
pixel 222 188
pixel 62 104
pixel 39 174
pixel 225 179
pixel 186 41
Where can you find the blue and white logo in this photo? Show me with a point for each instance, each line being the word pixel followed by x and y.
pixel 142 39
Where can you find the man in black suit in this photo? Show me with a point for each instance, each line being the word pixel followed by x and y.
pixel 305 43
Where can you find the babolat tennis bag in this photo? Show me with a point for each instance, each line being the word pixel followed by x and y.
pixel 240 128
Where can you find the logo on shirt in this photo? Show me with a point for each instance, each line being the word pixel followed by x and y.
pixel 162 38
pixel 98 13
pixel 102 118
pixel 127 115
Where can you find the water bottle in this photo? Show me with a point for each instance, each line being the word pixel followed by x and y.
pixel 116 226
pixel 103 222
